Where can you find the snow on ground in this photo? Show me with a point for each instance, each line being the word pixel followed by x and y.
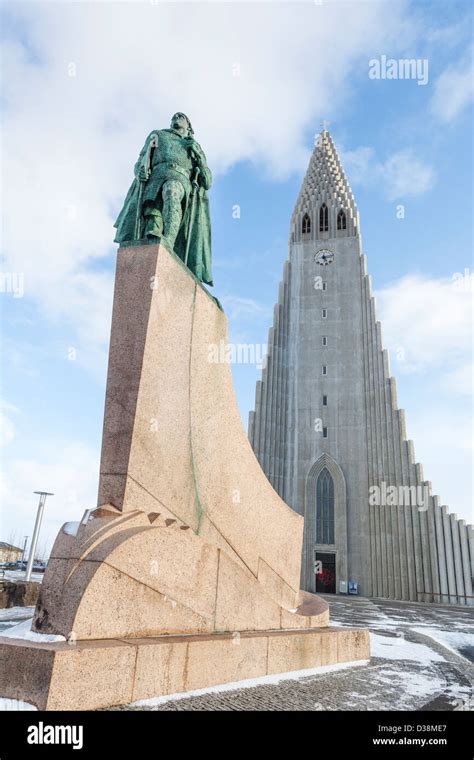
pixel 458 642
pixel 23 631
pixel 71 528
pixel 398 648
pixel 250 683
pixel 16 613
pixel 15 704
pixel 19 575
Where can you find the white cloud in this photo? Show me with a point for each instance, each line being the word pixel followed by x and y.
pixel 85 83
pixel 7 426
pixel 427 327
pixel 454 89
pixel 401 174
pixel 427 324
pixel 404 174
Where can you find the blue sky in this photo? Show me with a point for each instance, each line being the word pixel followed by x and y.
pixel 83 87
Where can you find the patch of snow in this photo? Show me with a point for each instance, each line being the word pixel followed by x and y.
pixel 249 683
pixel 16 613
pixel 418 684
pixel 71 528
pixel 15 704
pixel 23 631
pixel 397 648
pixel 452 640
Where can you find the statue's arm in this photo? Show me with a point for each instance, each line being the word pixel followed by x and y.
pixel 205 176
pixel 143 161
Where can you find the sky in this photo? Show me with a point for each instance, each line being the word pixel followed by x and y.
pixel 84 83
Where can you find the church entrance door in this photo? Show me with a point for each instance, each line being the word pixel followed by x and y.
pixel 326 577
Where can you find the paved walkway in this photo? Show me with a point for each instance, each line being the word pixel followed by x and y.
pixel 422 659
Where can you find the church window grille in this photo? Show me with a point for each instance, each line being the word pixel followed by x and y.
pixel 306 225
pixel 325 508
pixel 323 218
pixel 341 220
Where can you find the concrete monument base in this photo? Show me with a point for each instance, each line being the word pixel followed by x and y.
pixel 187 574
pixel 101 673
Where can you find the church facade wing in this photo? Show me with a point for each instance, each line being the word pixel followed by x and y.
pixel 327 429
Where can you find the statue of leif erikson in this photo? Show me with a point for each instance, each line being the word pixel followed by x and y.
pixel 168 197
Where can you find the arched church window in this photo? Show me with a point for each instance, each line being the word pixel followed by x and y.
pixel 341 220
pixel 306 225
pixel 325 508
pixel 323 218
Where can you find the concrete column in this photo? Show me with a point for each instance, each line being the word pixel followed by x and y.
pixel 466 564
pixel 257 419
pixel 275 428
pixel 470 541
pixel 407 516
pixel 443 572
pixel 268 402
pixel 448 545
pixel 458 572
pixel 370 422
pixel 272 399
pixel 387 537
pixel 399 479
pixel 263 415
pixel 251 427
pixel 435 585
pixel 415 518
pixel 425 545
pixel 286 386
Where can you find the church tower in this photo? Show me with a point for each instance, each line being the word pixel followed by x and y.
pixel 326 428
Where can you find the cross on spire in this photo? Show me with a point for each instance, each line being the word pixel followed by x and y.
pixel 325 124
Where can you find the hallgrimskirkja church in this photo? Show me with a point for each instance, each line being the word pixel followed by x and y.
pixel 327 429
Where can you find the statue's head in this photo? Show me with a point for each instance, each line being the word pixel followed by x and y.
pixel 181 123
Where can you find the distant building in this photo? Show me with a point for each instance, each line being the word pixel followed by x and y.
pixel 9 553
pixel 327 429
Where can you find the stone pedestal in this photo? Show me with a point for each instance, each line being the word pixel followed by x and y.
pixel 187 573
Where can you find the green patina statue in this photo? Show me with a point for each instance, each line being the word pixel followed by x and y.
pixel 168 197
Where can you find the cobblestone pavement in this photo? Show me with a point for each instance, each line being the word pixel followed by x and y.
pixel 422 660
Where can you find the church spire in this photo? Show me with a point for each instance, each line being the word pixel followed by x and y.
pixel 325 207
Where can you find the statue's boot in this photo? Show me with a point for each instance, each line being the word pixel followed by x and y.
pixel 153 222
pixel 173 193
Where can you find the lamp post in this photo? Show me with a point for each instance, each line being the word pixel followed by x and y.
pixel 24 549
pixel 34 540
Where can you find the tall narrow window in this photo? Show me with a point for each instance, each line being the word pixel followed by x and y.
pixel 341 220
pixel 324 313
pixel 325 400
pixel 325 340
pixel 325 286
pixel 323 218
pixel 325 369
pixel 306 225
pixel 325 432
pixel 325 508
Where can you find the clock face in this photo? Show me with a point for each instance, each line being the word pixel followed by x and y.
pixel 323 257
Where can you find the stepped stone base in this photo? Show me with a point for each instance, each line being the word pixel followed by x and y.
pixel 102 673
pixel 187 574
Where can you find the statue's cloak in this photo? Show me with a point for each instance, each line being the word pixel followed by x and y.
pixel 198 229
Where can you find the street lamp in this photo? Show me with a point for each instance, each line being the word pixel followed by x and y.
pixel 34 540
pixel 24 549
